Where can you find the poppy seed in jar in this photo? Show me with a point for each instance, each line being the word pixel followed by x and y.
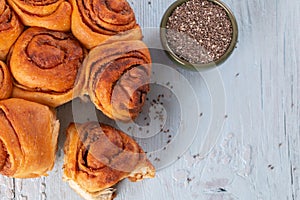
pixel 199 31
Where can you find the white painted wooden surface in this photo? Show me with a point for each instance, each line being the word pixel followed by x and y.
pixel 257 155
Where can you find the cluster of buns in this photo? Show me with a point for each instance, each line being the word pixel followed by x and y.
pixel 53 51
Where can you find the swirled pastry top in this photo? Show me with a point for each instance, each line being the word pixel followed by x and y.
pixel 10 28
pixel 28 138
pixel 117 78
pixel 44 60
pixel 5 81
pixel 97 156
pixel 95 22
pixel 50 14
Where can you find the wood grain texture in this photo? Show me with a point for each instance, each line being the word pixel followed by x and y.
pixel 257 155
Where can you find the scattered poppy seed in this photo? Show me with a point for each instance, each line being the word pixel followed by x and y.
pixel 195 156
pixel 189 180
pixel 222 190
pixel 271 167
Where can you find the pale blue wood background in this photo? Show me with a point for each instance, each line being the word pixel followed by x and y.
pixel 257 155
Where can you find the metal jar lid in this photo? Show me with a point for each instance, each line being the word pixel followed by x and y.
pixel 183 62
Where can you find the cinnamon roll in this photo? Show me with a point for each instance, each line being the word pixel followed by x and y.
pixel 98 156
pixel 50 14
pixel 28 138
pixel 117 78
pixel 10 28
pixel 44 65
pixel 95 22
pixel 5 81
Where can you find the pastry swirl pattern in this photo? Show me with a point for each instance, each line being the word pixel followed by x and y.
pixel 95 22
pixel 44 65
pixel 10 28
pixel 98 156
pixel 117 78
pixel 50 14
pixel 5 81
pixel 28 138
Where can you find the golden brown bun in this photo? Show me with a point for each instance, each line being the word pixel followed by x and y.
pixel 28 138
pixel 5 81
pixel 10 28
pixel 50 14
pixel 96 22
pixel 44 65
pixel 117 78
pixel 98 156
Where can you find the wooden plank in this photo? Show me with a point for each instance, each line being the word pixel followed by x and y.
pixel 257 156
pixel 7 187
